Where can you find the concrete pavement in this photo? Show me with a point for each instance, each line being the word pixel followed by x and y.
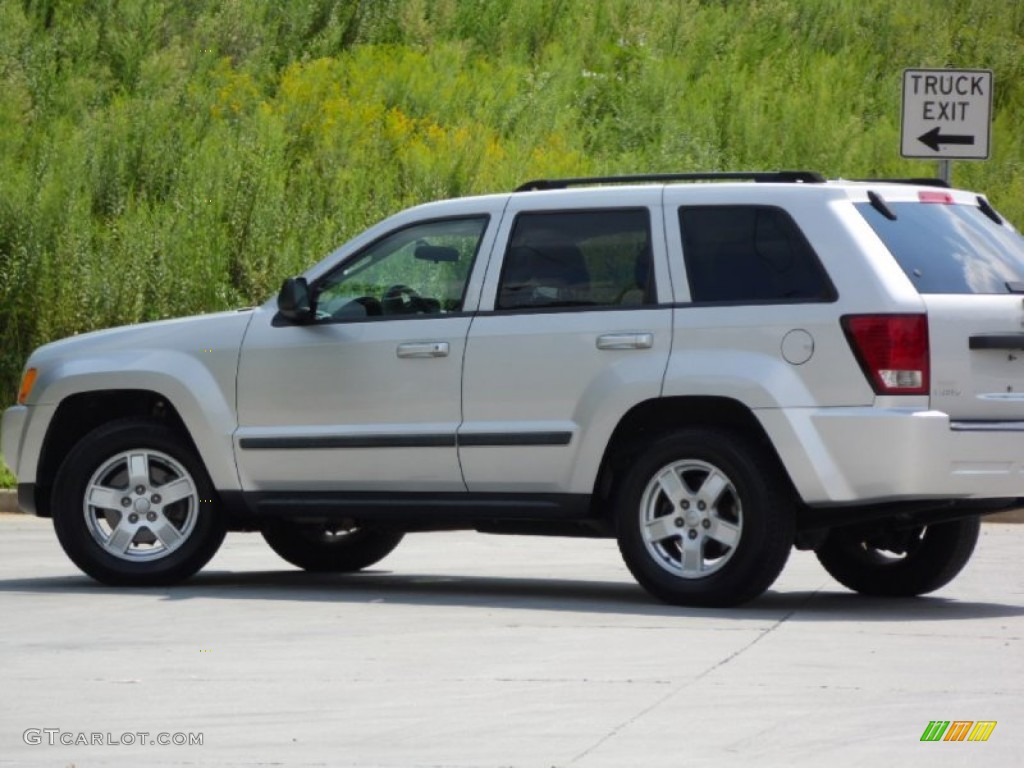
pixel 477 651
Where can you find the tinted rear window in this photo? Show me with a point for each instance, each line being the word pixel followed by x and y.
pixel 749 253
pixel 950 248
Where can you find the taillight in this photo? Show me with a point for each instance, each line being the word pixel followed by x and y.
pixel 892 350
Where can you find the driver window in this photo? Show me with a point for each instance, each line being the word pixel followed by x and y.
pixel 422 269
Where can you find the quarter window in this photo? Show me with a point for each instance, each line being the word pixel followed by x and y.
pixel 591 258
pixel 749 253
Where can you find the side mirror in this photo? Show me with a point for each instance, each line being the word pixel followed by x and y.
pixel 293 301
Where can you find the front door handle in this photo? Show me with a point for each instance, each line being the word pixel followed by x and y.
pixel 423 349
pixel 625 341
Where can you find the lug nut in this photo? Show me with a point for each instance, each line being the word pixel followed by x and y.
pixel 679 522
pixel 140 489
pixel 701 506
pixel 692 533
pixel 126 502
pixel 706 523
pixel 686 505
pixel 156 498
pixel 133 518
pixel 151 517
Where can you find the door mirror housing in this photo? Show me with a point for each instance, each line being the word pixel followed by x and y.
pixel 293 303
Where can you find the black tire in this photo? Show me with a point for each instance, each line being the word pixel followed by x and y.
pixel 899 564
pixel 328 548
pixel 121 536
pixel 725 553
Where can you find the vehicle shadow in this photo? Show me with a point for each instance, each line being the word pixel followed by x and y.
pixel 512 593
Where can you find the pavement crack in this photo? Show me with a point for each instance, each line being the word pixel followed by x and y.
pixel 696 679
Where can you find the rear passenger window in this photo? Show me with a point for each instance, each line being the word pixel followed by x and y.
pixel 594 258
pixel 749 253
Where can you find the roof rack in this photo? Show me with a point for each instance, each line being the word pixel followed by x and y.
pixel 787 177
pixel 921 182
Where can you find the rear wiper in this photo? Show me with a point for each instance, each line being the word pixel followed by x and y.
pixel 880 205
pixel 988 210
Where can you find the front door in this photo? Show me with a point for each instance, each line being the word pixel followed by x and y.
pixel 366 397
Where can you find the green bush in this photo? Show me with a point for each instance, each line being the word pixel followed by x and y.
pixel 7 479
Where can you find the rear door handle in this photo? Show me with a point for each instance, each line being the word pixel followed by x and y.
pixel 625 341
pixel 423 349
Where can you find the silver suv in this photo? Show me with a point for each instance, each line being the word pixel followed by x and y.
pixel 711 373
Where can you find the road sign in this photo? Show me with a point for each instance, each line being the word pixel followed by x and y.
pixel 946 113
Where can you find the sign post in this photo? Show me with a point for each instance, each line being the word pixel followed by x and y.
pixel 947 115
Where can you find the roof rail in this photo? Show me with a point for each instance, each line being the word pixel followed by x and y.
pixel 789 177
pixel 921 182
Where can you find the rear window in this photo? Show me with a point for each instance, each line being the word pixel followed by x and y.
pixel 950 248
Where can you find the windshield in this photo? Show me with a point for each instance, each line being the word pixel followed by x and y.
pixel 945 248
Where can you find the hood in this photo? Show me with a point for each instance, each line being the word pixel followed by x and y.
pixel 122 357
pixel 179 333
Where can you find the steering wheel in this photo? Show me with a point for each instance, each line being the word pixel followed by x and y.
pixel 400 299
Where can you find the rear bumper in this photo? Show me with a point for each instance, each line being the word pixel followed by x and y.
pixel 871 455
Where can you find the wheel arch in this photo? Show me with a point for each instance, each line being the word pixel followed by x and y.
pixel 82 412
pixel 650 420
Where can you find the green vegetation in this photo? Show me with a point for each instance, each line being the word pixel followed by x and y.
pixel 166 157
pixel 7 480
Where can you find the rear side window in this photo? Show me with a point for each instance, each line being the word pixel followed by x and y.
pixel 748 253
pixel 594 258
pixel 946 248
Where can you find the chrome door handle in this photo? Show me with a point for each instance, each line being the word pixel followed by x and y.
pixel 625 341
pixel 423 349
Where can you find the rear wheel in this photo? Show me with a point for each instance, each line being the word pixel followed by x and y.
pixel 899 563
pixel 702 519
pixel 132 505
pixel 329 547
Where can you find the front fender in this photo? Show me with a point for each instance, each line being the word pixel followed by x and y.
pixel 204 400
pixel 190 362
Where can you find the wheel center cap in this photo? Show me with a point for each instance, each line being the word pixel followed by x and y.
pixel 141 506
pixel 692 517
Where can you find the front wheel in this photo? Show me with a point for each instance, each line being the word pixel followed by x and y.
pixel 703 519
pixel 132 505
pixel 329 547
pixel 899 563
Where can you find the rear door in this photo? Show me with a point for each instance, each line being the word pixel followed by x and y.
pixel 574 329
pixel 968 266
